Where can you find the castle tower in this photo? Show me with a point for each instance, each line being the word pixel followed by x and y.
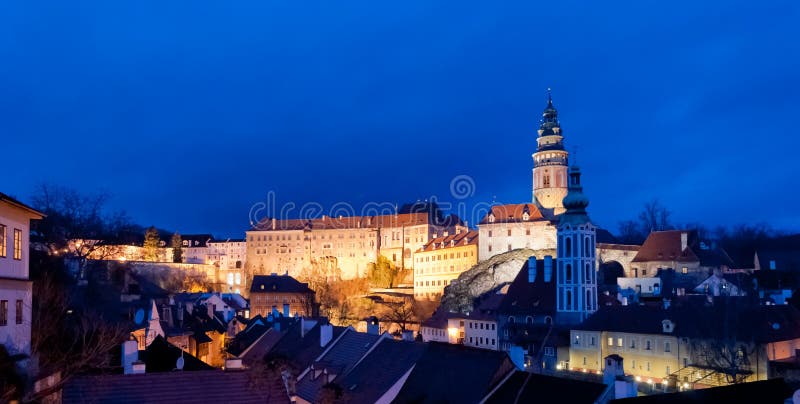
pixel 550 162
pixel 577 273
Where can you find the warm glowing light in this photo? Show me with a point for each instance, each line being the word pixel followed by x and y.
pixel 686 385
pixel 584 370
pixel 638 378
pixel 599 372
pixel 650 381
pixel 122 259
pixel 452 331
pixel 558 367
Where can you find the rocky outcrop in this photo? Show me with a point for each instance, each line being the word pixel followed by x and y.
pixel 483 277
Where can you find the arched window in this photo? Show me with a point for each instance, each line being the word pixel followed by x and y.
pixel 511 320
pixel 569 300
pixel 548 320
pixel 568 273
pixel 529 320
pixel 568 246
pixel 588 273
pixel 586 252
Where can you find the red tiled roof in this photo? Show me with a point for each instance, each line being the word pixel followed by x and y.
pixel 513 213
pixel 346 222
pixel 666 246
pixel 452 240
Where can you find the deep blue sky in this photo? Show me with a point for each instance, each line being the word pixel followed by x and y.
pixel 189 112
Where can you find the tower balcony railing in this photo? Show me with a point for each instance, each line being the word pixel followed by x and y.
pixel 555 161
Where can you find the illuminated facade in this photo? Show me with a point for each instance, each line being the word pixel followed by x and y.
pixel 441 260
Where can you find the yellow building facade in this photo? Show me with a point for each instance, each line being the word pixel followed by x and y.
pixel 441 260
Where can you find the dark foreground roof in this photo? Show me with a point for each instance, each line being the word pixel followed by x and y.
pixel 278 283
pixel 161 356
pixel 210 386
pixel 546 389
pixel 380 370
pixel 454 374
pixel 766 391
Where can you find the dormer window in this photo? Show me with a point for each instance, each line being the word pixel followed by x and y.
pixel 667 326
pixel 491 217
pixel 526 216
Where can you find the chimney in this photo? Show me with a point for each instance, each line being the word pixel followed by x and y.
pixel 273 223
pixel 445 233
pixel 408 335
pixel 139 368
pixel 130 354
pixel 325 334
pixel 233 364
pixel 548 268
pixel 532 269
pixel 373 326
pixel 684 241
pixel 306 325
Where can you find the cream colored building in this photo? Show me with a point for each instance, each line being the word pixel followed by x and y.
pixel 340 247
pixel 657 343
pixel 514 226
pixel 441 260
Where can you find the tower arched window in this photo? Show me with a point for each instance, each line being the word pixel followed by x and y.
pixel 568 273
pixel 546 181
pixel 568 246
pixel 586 251
pixel 529 320
pixel 588 273
pixel 569 299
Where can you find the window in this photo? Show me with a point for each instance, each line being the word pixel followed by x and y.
pixel 490 233
pixel 668 372
pixel 619 342
pixel 509 247
pixel 685 270
pixel 648 366
pixel 633 343
pixel 546 182
pixel 3 312
pixel 647 346
pixel 577 340
pixel 2 241
pixel 230 278
pixel 772 264
pixel 610 341
pixel 667 347
pixel 238 278
pixel 548 351
pixel 644 272
pixel 568 247
pixel 18 313
pixel 17 244
pixel 490 247
pixel 584 360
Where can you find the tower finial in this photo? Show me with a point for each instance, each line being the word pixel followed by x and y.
pixel 549 97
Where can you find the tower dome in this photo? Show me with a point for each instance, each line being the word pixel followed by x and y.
pixel 575 202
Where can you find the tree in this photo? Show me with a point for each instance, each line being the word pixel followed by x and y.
pixel 177 247
pixel 401 312
pixel 653 217
pixel 383 273
pixel 724 340
pixel 151 244
pixel 78 224
pixel 68 340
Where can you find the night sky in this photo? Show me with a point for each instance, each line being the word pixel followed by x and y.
pixel 189 112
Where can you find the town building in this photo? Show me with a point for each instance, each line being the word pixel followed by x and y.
pixel 15 287
pixel 681 250
pixel 229 256
pixel 696 345
pixel 341 247
pixel 513 226
pixel 273 294
pixel 441 260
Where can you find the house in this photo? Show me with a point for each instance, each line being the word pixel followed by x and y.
pixel 684 343
pixel 681 250
pixel 454 374
pixel 281 293
pixel 379 376
pixel 441 260
pixel 778 259
pixel 15 286
pixel 336 361
pixel 443 326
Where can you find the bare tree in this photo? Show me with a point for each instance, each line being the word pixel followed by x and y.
pixel 401 313
pixel 655 217
pixel 67 341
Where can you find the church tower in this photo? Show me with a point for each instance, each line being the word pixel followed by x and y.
pixel 577 273
pixel 550 163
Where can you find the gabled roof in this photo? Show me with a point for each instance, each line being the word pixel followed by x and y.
pixel 545 389
pixel 454 374
pixel 278 284
pixel 212 386
pixel 299 350
pixel 538 297
pixel 452 240
pixel 785 259
pixel 726 318
pixel 512 213
pixel 34 214
pixel 161 356
pixel 339 360
pixel 380 370
pixel 666 246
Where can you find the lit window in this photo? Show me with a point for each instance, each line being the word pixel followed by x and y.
pixel 685 270
pixel 619 342
pixel 230 278
pixel 17 244
pixel 610 341
pixel 238 278
pixel 2 241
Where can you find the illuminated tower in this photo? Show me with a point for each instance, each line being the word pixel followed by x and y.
pixel 577 274
pixel 550 163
